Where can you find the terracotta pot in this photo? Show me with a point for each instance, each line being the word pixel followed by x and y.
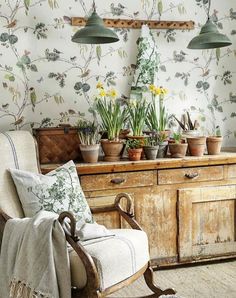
pixel 178 150
pixel 190 133
pixel 150 152
pixel 142 139
pixel 214 145
pixel 196 146
pixel 89 152
pixel 135 154
pixel 162 150
pixel 112 149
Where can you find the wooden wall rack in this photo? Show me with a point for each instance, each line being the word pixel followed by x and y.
pixel 136 24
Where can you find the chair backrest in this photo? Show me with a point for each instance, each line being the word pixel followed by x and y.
pixel 18 151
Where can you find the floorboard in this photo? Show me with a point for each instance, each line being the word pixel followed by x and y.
pixel 202 281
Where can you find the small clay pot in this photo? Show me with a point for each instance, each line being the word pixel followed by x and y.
pixel 135 154
pixel 196 146
pixel 214 145
pixel 178 150
pixel 89 152
pixel 150 152
pixel 162 150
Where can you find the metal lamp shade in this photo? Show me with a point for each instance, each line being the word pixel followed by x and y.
pixel 209 38
pixel 95 32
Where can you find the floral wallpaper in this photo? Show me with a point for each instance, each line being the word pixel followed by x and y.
pixel 46 79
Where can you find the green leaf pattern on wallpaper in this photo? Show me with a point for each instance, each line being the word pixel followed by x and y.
pixel 46 79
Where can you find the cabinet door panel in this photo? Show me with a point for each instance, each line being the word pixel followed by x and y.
pixel 155 210
pixel 206 222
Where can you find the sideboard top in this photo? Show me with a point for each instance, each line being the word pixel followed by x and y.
pixel 161 163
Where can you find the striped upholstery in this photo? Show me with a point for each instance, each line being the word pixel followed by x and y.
pixel 17 150
pixel 116 258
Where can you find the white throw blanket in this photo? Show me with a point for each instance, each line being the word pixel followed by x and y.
pixel 34 260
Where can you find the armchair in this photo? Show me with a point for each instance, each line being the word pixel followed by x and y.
pixel 98 268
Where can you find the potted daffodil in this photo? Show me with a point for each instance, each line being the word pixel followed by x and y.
pixel 113 116
pixel 157 117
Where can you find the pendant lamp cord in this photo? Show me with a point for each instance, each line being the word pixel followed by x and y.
pixel 94 6
pixel 208 12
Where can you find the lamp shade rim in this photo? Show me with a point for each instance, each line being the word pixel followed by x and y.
pixel 95 32
pixel 209 41
pixel 209 38
pixel 96 35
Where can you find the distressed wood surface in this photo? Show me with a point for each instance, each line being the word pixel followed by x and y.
pixel 162 163
pixel 231 171
pixel 117 180
pixel 207 222
pixel 137 24
pixel 155 210
pixel 203 225
pixel 198 174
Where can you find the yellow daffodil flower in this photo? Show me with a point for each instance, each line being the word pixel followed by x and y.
pixel 157 91
pixel 152 88
pixel 112 93
pixel 163 91
pixel 99 85
pixel 102 93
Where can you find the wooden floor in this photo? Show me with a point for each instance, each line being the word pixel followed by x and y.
pixel 202 281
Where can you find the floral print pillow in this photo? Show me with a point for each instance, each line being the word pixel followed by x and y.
pixel 57 191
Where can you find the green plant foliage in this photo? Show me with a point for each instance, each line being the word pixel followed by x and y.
pixel 177 137
pixel 113 116
pixel 137 112
pixel 133 144
pixel 88 132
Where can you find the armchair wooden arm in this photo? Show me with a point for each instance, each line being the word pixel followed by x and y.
pixel 129 214
pixel 93 282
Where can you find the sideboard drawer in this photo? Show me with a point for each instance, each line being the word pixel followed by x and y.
pixel 117 180
pixel 231 171
pixel 190 175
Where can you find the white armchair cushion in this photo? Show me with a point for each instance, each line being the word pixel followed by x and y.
pixel 57 191
pixel 116 258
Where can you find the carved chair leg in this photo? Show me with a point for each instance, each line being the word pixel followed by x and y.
pixel 148 276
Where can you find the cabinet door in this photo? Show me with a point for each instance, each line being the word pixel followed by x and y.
pixel 207 219
pixel 155 211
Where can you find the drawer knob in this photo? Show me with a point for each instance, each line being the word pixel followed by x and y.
pixel 117 180
pixel 192 175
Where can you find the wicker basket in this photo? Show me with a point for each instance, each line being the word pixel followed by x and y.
pixel 57 144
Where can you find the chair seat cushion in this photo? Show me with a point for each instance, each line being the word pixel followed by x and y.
pixel 116 258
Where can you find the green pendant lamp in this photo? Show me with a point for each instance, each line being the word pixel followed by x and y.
pixel 209 36
pixel 95 31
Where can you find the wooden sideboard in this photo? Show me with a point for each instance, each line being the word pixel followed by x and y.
pixel 187 206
